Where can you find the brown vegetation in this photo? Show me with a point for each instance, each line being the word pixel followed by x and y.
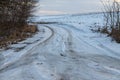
pixel 112 20
pixel 14 17
pixel 18 35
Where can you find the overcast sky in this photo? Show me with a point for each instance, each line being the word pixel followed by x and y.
pixel 53 7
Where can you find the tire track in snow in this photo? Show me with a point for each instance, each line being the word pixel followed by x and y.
pixel 66 73
pixel 69 51
pixel 72 69
pixel 99 47
pixel 15 64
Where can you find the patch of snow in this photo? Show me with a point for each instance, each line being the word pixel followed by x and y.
pixel 65 50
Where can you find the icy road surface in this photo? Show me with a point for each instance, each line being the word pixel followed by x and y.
pixel 64 50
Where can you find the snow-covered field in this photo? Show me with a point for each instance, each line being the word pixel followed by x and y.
pixel 64 49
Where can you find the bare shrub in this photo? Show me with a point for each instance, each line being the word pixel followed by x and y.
pixel 112 19
pixel 14 16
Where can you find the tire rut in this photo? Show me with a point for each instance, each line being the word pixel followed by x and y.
pixel 15 64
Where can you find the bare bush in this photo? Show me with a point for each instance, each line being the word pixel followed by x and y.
pixel 112 19
pixel 14 15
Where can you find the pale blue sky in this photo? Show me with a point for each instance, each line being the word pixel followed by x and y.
pixel 53 7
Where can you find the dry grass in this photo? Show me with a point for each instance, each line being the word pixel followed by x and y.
pixel 18 35
pixel 114 32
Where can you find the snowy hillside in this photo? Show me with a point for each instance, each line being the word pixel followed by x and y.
pixel 64 49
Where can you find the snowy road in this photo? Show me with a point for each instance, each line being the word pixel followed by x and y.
pixel 70 52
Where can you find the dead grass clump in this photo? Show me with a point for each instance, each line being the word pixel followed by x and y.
pixel 104 30
pixel 115 34
pixel 30 29
pixel 17 35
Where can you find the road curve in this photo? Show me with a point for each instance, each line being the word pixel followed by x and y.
pixel 63 56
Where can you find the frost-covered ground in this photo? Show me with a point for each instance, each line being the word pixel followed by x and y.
pixel 64 50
